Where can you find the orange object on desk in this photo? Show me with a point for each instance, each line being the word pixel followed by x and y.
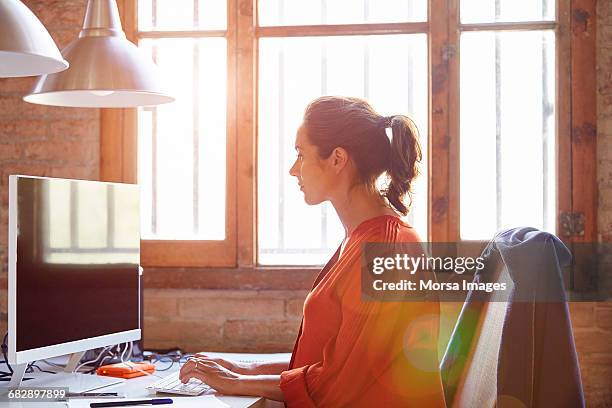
pixel 126 370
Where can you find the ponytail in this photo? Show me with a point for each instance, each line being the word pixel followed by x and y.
pixel 352 123
pixel 405 157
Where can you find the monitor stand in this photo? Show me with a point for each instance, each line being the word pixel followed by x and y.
pixel 75 382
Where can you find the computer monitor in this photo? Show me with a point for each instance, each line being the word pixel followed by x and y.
pixel 74 284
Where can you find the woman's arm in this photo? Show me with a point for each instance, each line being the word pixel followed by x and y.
pixel 267 386
pixel 267 367
pixel 252 368
pixel 229 382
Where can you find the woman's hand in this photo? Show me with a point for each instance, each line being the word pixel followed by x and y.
pixel 210 372
pixel 235 366
pixel 229 382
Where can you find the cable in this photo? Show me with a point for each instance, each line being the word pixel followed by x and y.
pixel 40 369
pixel 124 352
pixel 4 351
pixel 29 368
pixel 131 352
pixel 95 360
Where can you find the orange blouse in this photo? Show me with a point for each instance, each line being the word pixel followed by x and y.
pixel 364 354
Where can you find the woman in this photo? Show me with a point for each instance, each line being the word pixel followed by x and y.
pixel 349 352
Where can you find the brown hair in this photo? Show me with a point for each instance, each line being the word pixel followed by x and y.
pixel 352 123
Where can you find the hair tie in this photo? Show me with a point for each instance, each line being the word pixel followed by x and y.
pixel 386 121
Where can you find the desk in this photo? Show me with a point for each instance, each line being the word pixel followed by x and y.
pixel 135 389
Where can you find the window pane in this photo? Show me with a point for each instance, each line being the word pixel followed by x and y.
pixel 389 71
pixel 478 11
pixel 300 12
pixel 181 145
pixel 91 217
pixel 507 132
pixel 182 15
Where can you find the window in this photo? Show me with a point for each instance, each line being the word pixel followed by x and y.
pixel 183 147
pixel 503 94
pixel 390 70
pixel 507 120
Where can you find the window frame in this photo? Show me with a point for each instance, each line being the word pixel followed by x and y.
pixel 575 139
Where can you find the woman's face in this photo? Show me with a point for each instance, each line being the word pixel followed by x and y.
pixel 314 176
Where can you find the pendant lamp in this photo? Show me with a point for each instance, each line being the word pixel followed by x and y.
pixel 26 48
pixel 106 70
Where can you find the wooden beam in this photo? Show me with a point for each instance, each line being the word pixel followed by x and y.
pixel 118 145
pixel 454 58
pixel 342 29
pixel 181 34
pixel 563 114
pixel 584 116
pixel 173 253
pixel 118 133
pixel 439 113
pixel 517 26
pixel 584 141
pixel 246 142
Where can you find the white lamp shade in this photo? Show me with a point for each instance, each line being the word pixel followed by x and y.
pixel 106 70
pixel 26 48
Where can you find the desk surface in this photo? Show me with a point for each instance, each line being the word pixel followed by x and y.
pixel 135 389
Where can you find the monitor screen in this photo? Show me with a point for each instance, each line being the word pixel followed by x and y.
pixel 77 260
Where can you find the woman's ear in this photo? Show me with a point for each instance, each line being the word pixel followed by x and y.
pixel 339 158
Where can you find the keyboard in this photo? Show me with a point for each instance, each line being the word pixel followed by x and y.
pixel 173 385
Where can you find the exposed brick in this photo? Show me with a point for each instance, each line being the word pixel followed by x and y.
pixel 74 128
pixel 14 107
pixel 605 173
pixel 77 171
pixel 593 341
pixel 597 359
pixel 594 346
pixel 605 102
pixel 582 314
pixel 11 151
pixel 81 151
pixel 183 330
pixel 63 37
pixel 3 300
pixel 270 335
pixel 22 167
pixel 19 85
pixel 232 308
pixel 59 13
pixel 282 294
pixel 294 308
pixel 604 319
pixel 605 221
pixel 603 10
pixel 157 306
pixel 597 385
pixel 20 130
pixel 155 344
pixel 220 294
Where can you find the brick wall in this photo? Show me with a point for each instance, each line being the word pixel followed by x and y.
pixel 593 321
pixel 63 142
pixel 222 320
pixel 42 140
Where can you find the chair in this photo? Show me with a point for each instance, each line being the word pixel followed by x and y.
pixel 515 348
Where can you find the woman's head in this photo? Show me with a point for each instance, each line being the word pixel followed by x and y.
pixel 337 131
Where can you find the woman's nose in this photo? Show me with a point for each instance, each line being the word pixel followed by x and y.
pixel 293 169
